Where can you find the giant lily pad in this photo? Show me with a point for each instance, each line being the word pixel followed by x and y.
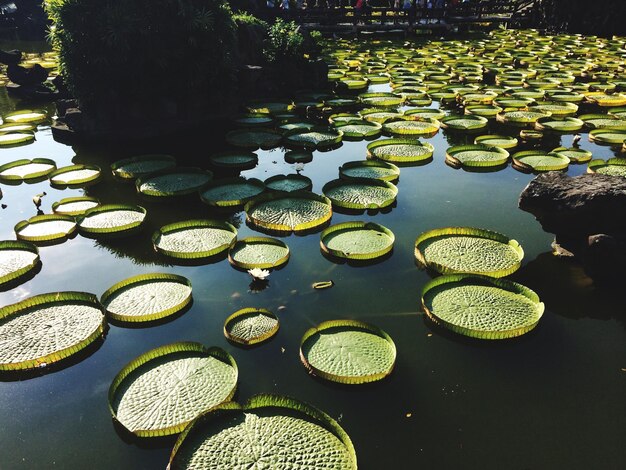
pixel 289 183
pixel 74 205
pixel 254 138
pixel 314 138
pixel 359 129
pixel 534 160
pixel 17 259
pixel 607 136
pixel 161 391
pixel 613 166
pixel 46 228
pixel 403 127
pixel 231 192
pixel 136 167
pixel 372 169
pixel 147 297
pixel 357 240
pixel 173 182
pixel 348 351
pixel 111 220
pixel 477 156
pixel 559 124
pixel 24 170
pixel 361 193
pixel 492 140
pixel 269 431
pixel 250 326
pixel 75 176
pixel 468 250
pixel 575 155
pixel 295 211
pixel 16 138
pixel 26 116
pixel 194 239
pixel 464 123
pixel 234 160
pixel 46 328
pixel 258 252
pixel 481 307
pixel 400 150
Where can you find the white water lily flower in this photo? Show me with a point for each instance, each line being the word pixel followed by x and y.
pixel 257 273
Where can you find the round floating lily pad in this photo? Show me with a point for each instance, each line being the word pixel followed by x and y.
pixel 254 138
pixel 348 351
pixel 234 160
pixel 607 136
pixel 289 183
pixel 400 150
pixel 403 127
pixel 147 297
pixel 250 326
pixel 45 228
pixel 17 258
pixel 477 156
pixel 296 211
pixel 161 391
pixel 16 138
pixel 111 220
pixel 15 127
pixel 464 123
pixel 343 117
pixel 194 239
pixel 27 116
pixel 361 193
pixel 357 240
pixel 298 156
pixel 502 141
pixel 376 115
pixel 24 170
pixel 536 160
pixel 484 110
pixel 136 167
pixel 300 125
pixel 270 107
pixel 254 120
pixel 481 307
pixel 174 182
pixel 372 169
pixel 268 430
pixel 575 155
pixel 613 166
pixel 381 100
pixel 75 176
pixel 231 192
pixel 468 250
pixel 314 138
pixel 359 129
pixel 258 252
pixel 556 124
pixel 74 205
pixel 425 113
pixel 46 328
pixel 520 118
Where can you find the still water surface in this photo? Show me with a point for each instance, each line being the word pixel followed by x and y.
pixel 555 398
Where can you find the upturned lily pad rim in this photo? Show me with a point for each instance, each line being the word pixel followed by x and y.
pixel 336 138
pixel 139 280
pixel 77 182
pixel 586 155
pixel 502 153
pixel 263 402
pixel 356 324
pixel 258 241
pixel 563 161
pixel 467 232
pixel 513 141
pixel 277 137
pixel 427 131
pixel 598 136
pixel 448 122
pixel 365 113
pixel 45 218
pixel 566 124
pixel 362 181
pixel 486 281
pixel 273 196
pixel 375 131
pixel 30 176
pixel 47 300
pixel 19 245
pixel 253 160
pixel 118 172
pixel 69 200
pixel 393 176
pixel 172 171
pixel 298 156
pixel 126 229
pixel 391 100
pixel 400 159
pixel 354 226
pixel 293 176
pixel 157 353
pixel 436 113
pixel 9 117
pixel 231 203
pixel 244 312
pixel 190 224
pixel 594 165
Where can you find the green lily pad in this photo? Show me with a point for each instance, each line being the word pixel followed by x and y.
pixel 289 183
pixel 400 150
pixel 136 167
pixel 194 239
pixel 492 140
pixel 17 259
pixel 360 194
pixel 161 391
pixel 464 123
pixel 298 156
pixel 613 167
pixel 376 115
pixel 468 250
pixel 372 169
pixel 359 129
pixel 556 124
pixel 535 160
pixel 16 138
pixel 381 100
pixel 250 326
pixel 111 220
pixel 147 297
pixel 45 228
pixel 607 136
pixel 231 192
pixel 268 430
pixel 425 113
pixel 477 156
pixel 26 116
pixel 403 127
pixel 314 138
pixel 296 211
pixel 47 328
pixel 24 170
pixel 348 351
pixel 254 138
pixel 74 205
pixel 173 182
pixel 481 307
pixel 575 155
pixel 258 252
pixel 357 240
pixel 234 160
pixel 75 176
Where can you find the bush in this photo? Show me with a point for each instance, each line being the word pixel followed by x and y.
pixel 284 43
pixel 134 52
pixel 243 18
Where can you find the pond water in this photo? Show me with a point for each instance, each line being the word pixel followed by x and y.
pixel 553 398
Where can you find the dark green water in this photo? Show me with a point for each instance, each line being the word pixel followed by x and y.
pixel 552 399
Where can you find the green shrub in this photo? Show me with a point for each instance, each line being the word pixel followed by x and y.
pixel 134 52
pixel 242 17
pixel 284 43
